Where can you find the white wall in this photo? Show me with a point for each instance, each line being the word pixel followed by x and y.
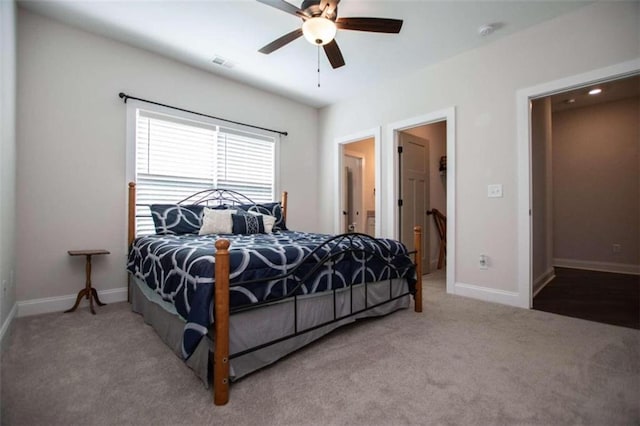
pixel 7 159
pixel 482 86
pixel 71 147
pixel 596 185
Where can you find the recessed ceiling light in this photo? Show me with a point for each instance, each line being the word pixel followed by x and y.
pixel 595 91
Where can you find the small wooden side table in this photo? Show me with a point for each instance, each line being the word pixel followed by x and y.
pixel 89 292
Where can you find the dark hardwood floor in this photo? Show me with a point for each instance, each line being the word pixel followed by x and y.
pixel 592 295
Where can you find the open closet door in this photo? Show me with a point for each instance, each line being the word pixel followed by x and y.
pixel 413 204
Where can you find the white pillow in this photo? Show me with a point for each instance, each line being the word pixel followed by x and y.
pixel 268 221
pixel 216 221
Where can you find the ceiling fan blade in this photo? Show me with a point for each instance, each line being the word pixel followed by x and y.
pixel 286 7
pixel 334 54
pixel 374 25
pixel 282 41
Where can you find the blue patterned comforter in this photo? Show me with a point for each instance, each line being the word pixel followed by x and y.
pixel 180 268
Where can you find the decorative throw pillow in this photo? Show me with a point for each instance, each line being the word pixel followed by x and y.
pixel 247 224
pixel 271 209
pixel 216 221
pixel 268 221
pixel 176 218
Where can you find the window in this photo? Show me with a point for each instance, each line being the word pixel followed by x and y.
pixel 176 157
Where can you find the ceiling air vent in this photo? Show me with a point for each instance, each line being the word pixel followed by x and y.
pixel 219 60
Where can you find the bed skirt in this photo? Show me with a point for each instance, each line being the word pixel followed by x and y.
pixel 270 322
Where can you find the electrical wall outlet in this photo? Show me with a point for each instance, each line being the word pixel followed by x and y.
pixel 616 248
pixel 483 261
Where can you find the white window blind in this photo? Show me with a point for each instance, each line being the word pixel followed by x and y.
pixel 176 158
pixel 245 163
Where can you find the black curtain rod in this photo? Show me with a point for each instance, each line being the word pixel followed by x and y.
pixel 126 97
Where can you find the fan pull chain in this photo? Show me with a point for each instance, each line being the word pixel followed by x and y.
pixel 318 66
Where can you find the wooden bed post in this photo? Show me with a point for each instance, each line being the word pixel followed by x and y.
pixel 221 337
pixel 284 206
pixel 417 239
pixel 131 229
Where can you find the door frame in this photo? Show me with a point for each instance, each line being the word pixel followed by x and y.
pixel 393 130
pixel 340 143
pixel 523 124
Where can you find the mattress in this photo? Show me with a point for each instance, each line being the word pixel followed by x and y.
pixel 263 268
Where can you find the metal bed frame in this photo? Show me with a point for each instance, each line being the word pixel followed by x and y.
pixel 356 244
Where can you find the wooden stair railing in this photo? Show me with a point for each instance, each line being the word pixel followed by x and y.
pixel 441 225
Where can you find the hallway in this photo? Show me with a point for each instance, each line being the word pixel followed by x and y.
pixel 595 296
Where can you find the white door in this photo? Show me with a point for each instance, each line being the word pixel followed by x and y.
pixel 414 178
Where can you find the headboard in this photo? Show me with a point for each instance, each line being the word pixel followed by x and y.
pixel 208 197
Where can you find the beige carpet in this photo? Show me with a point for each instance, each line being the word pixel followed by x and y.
pixel 462 361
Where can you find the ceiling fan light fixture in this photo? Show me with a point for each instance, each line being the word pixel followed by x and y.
pixel 319 31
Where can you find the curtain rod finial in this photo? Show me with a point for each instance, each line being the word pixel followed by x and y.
pixel 123 96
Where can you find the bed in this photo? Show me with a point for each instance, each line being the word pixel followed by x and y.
pixel 230 303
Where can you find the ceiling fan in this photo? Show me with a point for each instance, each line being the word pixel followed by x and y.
pixel 320 24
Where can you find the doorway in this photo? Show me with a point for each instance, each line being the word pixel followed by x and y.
pixel 523 123
pixel 446 179
pixel 585 150
pixel 353 191
pixel 358 187
pixel 422 184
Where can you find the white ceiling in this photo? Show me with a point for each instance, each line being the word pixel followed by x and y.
pixel 194 32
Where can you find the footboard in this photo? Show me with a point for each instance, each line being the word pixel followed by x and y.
pixel 221 354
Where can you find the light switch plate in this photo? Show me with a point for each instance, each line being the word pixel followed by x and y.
pixel 494 191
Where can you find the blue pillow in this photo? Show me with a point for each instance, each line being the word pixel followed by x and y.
pixel 176 218
pixel 247 224
pixel 271 209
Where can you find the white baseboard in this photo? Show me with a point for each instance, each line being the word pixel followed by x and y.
pixel 62 303
pixel 619 268
pixel 487 294
pixel 544 279
pixel 7 323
